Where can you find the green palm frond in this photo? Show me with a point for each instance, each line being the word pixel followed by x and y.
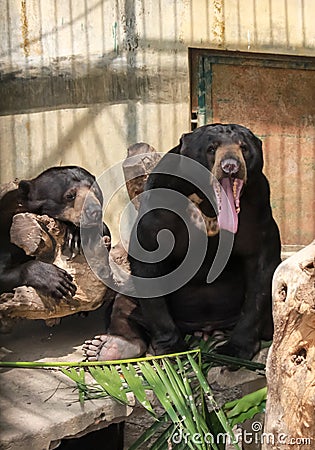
pixel 78 376
pixel 110 381
pixel 179 384
pixel 136 385
pixel 209 394
pixel 159 389
pixel 246 407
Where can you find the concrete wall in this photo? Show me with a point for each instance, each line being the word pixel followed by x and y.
pixel 82 80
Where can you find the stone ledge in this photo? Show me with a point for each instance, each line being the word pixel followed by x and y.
pixel 39 407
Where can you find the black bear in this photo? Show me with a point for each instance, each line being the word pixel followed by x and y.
pixel 218 167
pixel 67 193
pixel 202 252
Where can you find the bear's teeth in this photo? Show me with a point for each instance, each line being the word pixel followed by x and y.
pixel 235 189
pixel 218 195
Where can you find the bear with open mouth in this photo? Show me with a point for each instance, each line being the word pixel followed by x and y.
pixel 217 170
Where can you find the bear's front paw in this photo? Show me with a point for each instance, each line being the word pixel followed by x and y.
pixel 48 279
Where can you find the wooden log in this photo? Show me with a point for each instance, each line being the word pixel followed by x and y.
pixel 141 159
pixel 290 411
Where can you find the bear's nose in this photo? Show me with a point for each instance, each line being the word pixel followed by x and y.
pixel 230 166
pixel 94 214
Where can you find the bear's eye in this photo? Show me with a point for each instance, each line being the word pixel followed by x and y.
pixel 244 149
pixel 211 149
pixel 70 196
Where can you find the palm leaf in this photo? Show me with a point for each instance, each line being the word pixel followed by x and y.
pixel 162 441
pixel 215 428
pixel 246 407
pixel 135 383
pixel 207 390
pixel 172 382
pixel 199 418
pixel 159 389
pixel 79 379
pixel 111 382
pixel 232 361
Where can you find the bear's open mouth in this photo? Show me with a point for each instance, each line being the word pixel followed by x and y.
pixel 227 191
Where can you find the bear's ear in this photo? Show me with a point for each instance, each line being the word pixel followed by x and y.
pixel 256 144
pixel 194 145
pixel 184 142
pixel 24 189
pixel 257 141
pixel 193 141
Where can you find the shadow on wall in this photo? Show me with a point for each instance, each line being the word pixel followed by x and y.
pixel 39 85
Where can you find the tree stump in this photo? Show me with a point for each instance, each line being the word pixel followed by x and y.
pixel 290 412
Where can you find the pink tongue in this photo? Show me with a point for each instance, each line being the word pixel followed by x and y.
pixel 227 218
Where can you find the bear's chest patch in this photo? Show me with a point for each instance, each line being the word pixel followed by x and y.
pixel 199 219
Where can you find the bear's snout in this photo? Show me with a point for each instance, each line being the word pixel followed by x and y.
pixel 91 210
pixel 229 162
pixel 93 213
pixel 230 166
